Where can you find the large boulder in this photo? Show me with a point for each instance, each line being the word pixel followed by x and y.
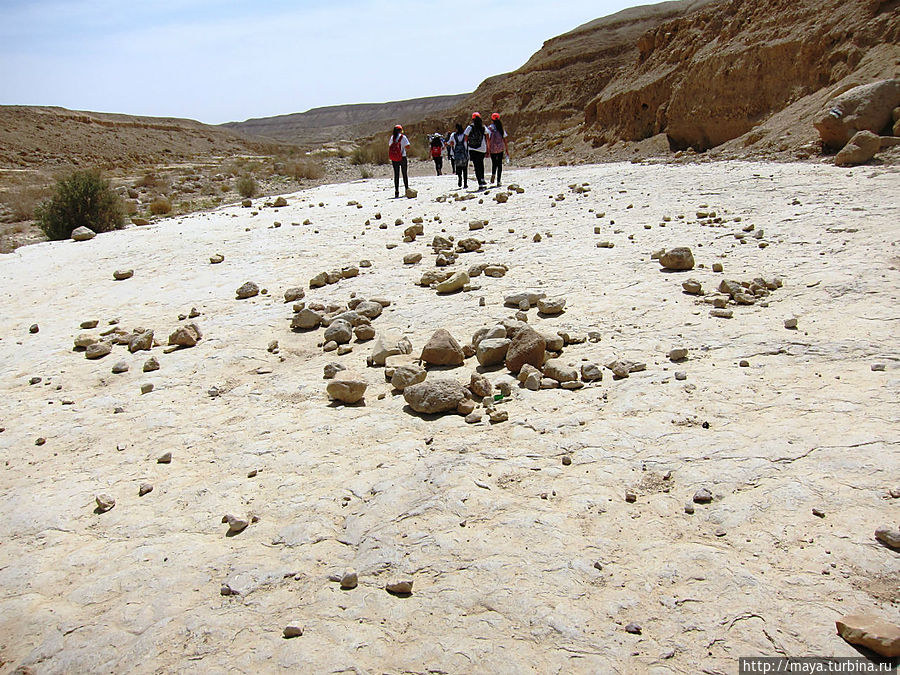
pixel 347 387
pixel 867 107
pixel 527 346
pixel 442 350
pixel 434 396
pixel 859 149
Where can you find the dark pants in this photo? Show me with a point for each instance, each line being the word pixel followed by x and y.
pixel 402 164
pixel 462 173
pixel 478 163
pixel 496 166
pixel 438 164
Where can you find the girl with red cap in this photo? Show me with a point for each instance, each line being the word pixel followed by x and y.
pixel 397 154
pixel 476 141
pixel 496 146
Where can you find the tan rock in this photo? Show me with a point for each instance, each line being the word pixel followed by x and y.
pixel 871 632
pixel 347 387
pixel 434 395
pixel 528 346
pixel 442 350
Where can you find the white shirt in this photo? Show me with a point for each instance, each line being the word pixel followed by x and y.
pixel 404 143
pixel 483 146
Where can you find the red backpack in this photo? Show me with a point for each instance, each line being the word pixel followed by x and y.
pixel 395 153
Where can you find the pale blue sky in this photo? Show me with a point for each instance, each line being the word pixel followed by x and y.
pixel 224 60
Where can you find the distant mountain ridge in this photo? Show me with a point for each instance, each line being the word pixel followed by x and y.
pixel 344 122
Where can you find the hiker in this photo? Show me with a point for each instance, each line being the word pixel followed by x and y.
pixel 460 157
pixel 397 153
pixel 437 151
pixel 449 151
pixel 497 146
pixel 476 142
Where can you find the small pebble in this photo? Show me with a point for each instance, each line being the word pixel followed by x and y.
pixel 819 513
pixel 399 587
pixel 33 328
pixel 790 323
pixel 350 580
pixel 165 458
pixel 566 460
pixel 144 489
pixel 720 532
pixel 146 388
pixel 703 496
pixel 630 497
pixel 689 508
pixel 633 628
pixel 878 367
pixel 252 473
pixel 104 502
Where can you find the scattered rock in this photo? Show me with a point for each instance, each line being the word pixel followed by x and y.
pixel 790 323
pixel 881 637
pixel 347 387
pixel 97 350
pixel 630 497
pixel 878 367
pixel 678 354
pixel 186 336
pixel 364 332
pixel 142 341
pixel 721 313
pixel 591 372
pixel 703 496
pixel 454 283
pixel 121 275
pixel 889 536
pixel 528 298
pixel 278 203
pixel 247 290
pixel 104 502
pixel 339 331
pixel 551 307
pixel 679 258
pixel 399 587
pixel 867 106
pixel 692 287
pixel 527 346
pixel 120 367
pixel 412 258
pixel 405 376
pixel 216 258
pixel 480 386
pixel 165 458
pixel 293 294
pixel 492 351
pixel 496 416
pixel 83 234
pixel 559 371
pixel 306 319
pixel 235 523
pixel 434 395
pixel 146 388
pixel 633 628
pixel 332 369
pixel 349 580
pixel 442 350
pixel 292 631
pixel 145 489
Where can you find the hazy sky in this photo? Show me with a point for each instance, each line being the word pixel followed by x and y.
pixel 223 60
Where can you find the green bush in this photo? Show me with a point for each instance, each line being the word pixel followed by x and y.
pixel 83 198
pixel 246 186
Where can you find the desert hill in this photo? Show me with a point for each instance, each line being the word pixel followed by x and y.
pixel 36 136
pixel 694 74
pixel 339 122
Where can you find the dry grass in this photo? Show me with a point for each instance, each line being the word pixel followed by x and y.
pixel 304 168
pixel 160 206
pixel 374 152
pixel 23 200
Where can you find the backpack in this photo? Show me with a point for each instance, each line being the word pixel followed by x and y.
pixel 476 137
pixel 495 140
pixel 437 146
pixel 395 152
pixel 460 152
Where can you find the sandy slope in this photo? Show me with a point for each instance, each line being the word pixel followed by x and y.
pixel 807 424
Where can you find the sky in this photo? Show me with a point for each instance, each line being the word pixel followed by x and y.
pixel 229 60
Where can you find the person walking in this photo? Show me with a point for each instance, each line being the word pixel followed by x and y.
pixel 397 154
pixel 497 146
pixel 476 141
pixel 460 157
pixel 437 151
pixel 449 151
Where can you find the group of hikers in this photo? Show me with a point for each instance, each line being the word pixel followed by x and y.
pixel 474 142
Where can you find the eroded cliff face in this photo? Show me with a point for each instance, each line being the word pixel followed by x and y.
pixel 714 74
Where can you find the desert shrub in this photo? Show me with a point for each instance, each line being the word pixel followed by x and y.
pixel 365 172
pixel 246 186
pixel 83 198
pixel 160 206
pixel 374 152
pixel 304 168
pixel 148 180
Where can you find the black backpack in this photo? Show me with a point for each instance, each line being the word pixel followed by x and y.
pixel 437 141
pixel 476 136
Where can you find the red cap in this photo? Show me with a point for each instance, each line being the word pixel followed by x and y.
pixel 495 116
pixel 397 126
pixel 476 114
